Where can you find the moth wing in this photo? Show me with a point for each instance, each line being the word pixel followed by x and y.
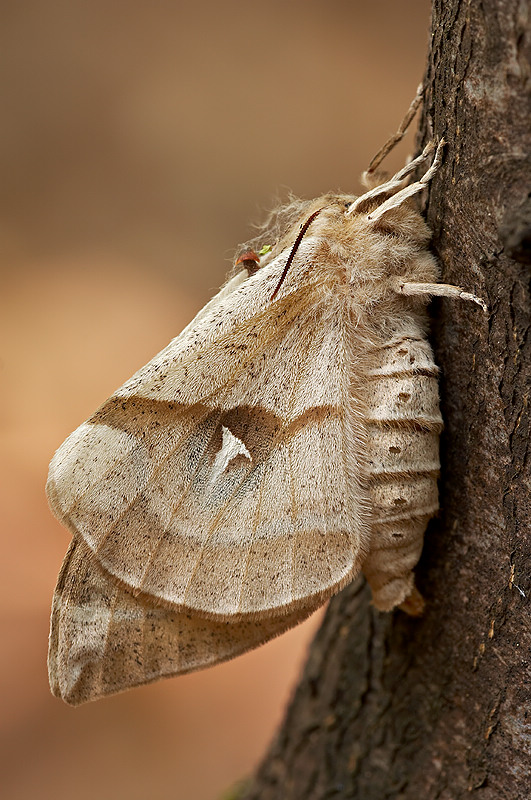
pixel 103 640
pixel 224 477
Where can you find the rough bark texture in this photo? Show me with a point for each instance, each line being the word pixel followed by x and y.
pixel 389 706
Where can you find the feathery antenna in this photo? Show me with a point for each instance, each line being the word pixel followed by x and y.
pixel 294 249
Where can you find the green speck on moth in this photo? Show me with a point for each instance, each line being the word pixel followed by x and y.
pixel 265 249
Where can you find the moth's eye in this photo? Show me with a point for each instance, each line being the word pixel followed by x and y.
pixel 347 204
pixel 249 261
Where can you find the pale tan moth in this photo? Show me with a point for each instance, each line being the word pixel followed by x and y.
pixel 284 442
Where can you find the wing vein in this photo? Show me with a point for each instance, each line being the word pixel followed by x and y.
pixel 223 388
pixel 135 497
pixel 256 520
pixel 103 660
pixel 276 439
pixel 178 504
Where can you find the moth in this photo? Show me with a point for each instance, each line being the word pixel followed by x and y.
pixel 284 442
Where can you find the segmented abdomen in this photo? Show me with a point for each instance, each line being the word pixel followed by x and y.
pixel 403 427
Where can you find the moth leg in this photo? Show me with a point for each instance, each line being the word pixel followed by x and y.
pixel 400 197
pixel 394 184
pixel 437 290
pixel 401 132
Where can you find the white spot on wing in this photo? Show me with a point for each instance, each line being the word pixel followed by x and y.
pixel 231 447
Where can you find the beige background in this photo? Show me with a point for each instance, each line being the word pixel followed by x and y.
pixel 138 141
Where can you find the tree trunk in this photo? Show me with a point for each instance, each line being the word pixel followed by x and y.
pixel 394 707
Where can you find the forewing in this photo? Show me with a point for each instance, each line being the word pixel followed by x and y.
pixel 222 478
pixel 103 640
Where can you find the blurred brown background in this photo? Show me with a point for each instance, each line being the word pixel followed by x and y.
pixel 138 141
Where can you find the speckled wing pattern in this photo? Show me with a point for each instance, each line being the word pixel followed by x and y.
pixel 215 484
pixel 104 640
pixel 286 440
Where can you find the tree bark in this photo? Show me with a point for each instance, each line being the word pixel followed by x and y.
pixel 394 707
